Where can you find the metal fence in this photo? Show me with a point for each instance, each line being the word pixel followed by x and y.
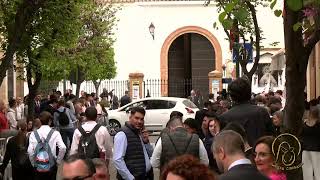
pixel 119 86
pixel 150 87
pixel 174 87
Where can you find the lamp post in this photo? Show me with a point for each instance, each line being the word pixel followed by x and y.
pixel 224 70
pixel 151 30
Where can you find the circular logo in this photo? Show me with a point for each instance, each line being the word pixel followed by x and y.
pixel 286 149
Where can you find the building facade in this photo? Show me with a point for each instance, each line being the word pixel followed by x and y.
pixel 185 44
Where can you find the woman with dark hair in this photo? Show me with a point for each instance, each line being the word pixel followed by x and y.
pixel 214 127
pixel 16 151
pixel 186 167
pixel 311 145
pixel 265 160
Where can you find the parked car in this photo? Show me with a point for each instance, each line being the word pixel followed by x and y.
pixel 158 112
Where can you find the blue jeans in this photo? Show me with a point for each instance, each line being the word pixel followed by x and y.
pixel 67 134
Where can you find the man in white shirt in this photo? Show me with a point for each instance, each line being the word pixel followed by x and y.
pixel 54 142
pixel 102 135
pixel 11 114
pixel 19 109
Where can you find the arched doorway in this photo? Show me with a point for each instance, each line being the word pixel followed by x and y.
pixel 187 56
pixel 190 59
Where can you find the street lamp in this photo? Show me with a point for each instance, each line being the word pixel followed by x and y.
pixel 151 30
pixel 224 70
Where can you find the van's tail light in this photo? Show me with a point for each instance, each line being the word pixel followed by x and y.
pixel 190 111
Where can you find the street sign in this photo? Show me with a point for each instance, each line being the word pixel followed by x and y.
pixel 237 54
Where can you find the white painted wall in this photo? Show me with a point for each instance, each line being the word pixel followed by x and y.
pixel 135 51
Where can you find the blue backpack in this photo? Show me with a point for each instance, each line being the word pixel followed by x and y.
pixel 43 160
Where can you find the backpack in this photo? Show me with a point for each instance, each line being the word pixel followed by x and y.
pixel 63 118
pixel 88 145
pixel 43 160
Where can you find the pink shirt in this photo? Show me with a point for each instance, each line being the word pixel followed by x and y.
pixel 278 176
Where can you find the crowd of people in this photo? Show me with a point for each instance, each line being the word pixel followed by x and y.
pixel 230 138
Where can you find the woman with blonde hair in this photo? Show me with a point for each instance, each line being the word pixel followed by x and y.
pixel 311 145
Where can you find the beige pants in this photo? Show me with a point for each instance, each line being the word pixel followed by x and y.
pixel 311 165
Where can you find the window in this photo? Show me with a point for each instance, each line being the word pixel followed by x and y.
pixel 189 104
pixel 160 104
pixel 137 104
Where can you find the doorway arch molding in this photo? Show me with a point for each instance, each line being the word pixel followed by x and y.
pixel 184 30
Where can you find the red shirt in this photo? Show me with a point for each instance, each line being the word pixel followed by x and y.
pixel 3 122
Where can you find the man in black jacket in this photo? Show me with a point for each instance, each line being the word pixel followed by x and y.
pixel 130 156
pixel 201 113
pixel 228 150
pixel 255 120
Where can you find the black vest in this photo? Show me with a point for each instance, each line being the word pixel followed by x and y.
pixel 134 157
pixel 177 143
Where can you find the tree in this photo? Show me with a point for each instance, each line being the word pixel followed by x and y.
pixel 93 56
pixel 239 20
pixel 301 33
pixel 50 28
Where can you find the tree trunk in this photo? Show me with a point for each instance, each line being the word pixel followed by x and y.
pixel 296 66
pixel 23 17
pixel 78 89
pixel 33 88
pixel 96 86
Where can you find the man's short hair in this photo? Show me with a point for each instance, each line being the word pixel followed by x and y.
pixel 91 113
pixel 99 163
pixel 176 113
pixel 61 102
pixel 192 123
pixel 138 109
pixel 207 104
pixel 12 102
pixel 240 90
pixel 174 122
pixel 75 157
pixel 210 115
pixel 238 129
pixel 230 141
pixel 45 117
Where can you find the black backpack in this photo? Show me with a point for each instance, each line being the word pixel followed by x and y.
pixel 63 118
pixel 88 145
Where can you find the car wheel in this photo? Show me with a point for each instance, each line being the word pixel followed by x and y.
pixel 114 127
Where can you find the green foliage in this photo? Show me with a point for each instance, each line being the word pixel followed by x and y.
pixel 295 5
pixel 297 26
pixel 63 35
pixel 274 2
pixel 94 54
pixel 278 12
